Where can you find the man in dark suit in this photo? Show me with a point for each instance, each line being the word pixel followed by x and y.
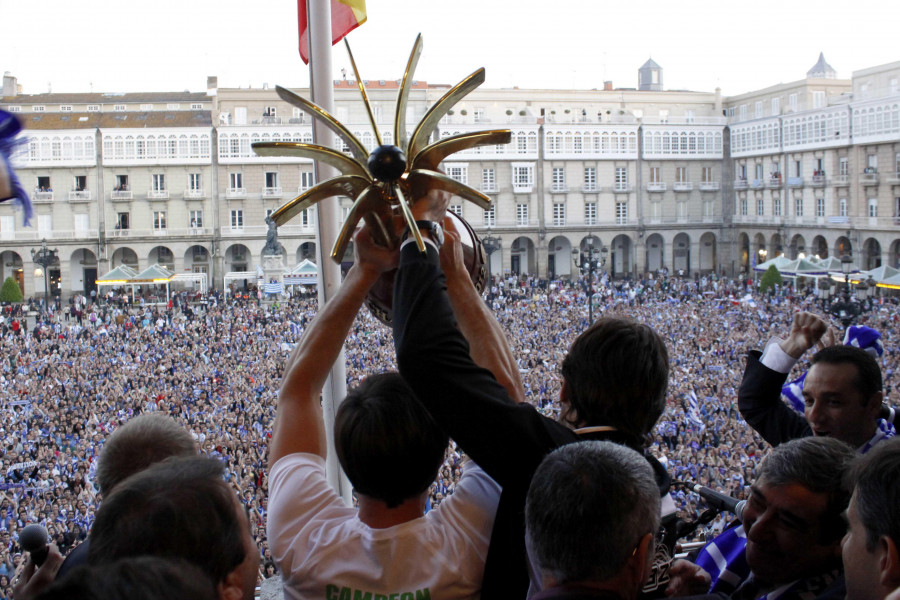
pixel 842 391
pixel 614 378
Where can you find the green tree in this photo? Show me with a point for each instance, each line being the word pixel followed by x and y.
pixel 769 279
pixel 11 292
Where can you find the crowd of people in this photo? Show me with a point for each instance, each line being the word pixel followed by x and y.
pixel 216 367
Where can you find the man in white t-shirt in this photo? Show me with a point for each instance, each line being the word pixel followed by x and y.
pixel 391 450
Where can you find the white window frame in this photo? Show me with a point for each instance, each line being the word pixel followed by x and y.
pixel 872 208
pixel 559 214
pixel 621 213
pixel 590 179
pixel 558 179
pixel 488 179
pixel 820 206
pixel 522 214
pixel 195 219
pixel 489 218
pixel 843 210
pixel 159 220
pixel 237 219
pixel 523 177
pixel 459 172
pixel 621 180
pixel 590 213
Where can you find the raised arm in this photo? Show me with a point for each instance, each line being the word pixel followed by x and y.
pixel 488 344
pixel 299 425
pixel 506 439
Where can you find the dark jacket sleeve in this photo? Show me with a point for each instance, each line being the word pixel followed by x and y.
pixel 507 439
pixel 759 400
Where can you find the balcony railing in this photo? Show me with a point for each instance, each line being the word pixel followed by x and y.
pixel 773 182
pixel 194 194
pixel 869 178
pixel 235 193
pixel 522 188
pixel 621 188
pixel 489 188
pixel 43 197
pixel 158 195
pixel 795 182
pixel 656 186
pixel 121 195
pixel 818 181
pixel 740 184
pixel 559 188
pixel 757 184
pixel 590 188
pixel 271 192
pixel 709 186
pixel 841 180
pixel 79 196
pixel 893 178
pixel 683 186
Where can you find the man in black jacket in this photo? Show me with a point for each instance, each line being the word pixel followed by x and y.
pixel 614 385
pixel 842 391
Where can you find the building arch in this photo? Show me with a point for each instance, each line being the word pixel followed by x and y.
pixel 621 256
pixel 12 265
pixel 306 251
pixel 125 256
pixel 238 258
pixel 843 246
pixel 196 259
pixel 744 251
pixel 819 247
pixel 707 258
pixel 521 256
pixel 681 254
pixel 656 252
pixel 559 257
pixel 161 255
pixel 871 255
pixel 83 271
pixel 798 246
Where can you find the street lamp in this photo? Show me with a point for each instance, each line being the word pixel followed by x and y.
pixel 491 245
pixel 824 291
pixel 45 257
pixel 590 260
pixel 846 309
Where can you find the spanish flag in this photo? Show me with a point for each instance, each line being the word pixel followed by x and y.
pixel 346 15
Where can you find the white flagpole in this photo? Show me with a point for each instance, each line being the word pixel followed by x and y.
pixel 318 19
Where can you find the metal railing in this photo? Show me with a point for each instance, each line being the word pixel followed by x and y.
pixel 709 186
pixel 656 186
pixel 79 195
pixel 158 195
pixel 683 186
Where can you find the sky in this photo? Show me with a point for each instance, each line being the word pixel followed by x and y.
pixel 173 45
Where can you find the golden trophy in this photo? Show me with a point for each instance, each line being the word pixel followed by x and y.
pixel 381 181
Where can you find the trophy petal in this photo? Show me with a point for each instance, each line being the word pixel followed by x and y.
pixel 345 185
pixel 403 94
pixel 440 181
pixel 362 91
pixel 432 155
pixel 373 207
pixel 408 217
pixel 426 126
pixel 356 148
pixel 340 161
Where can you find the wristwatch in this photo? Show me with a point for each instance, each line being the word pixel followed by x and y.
pixel 437 232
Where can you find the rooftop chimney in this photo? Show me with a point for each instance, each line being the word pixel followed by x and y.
pixel 10 88
pixel 607 86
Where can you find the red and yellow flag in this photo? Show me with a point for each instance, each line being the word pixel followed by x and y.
pixel 346 15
